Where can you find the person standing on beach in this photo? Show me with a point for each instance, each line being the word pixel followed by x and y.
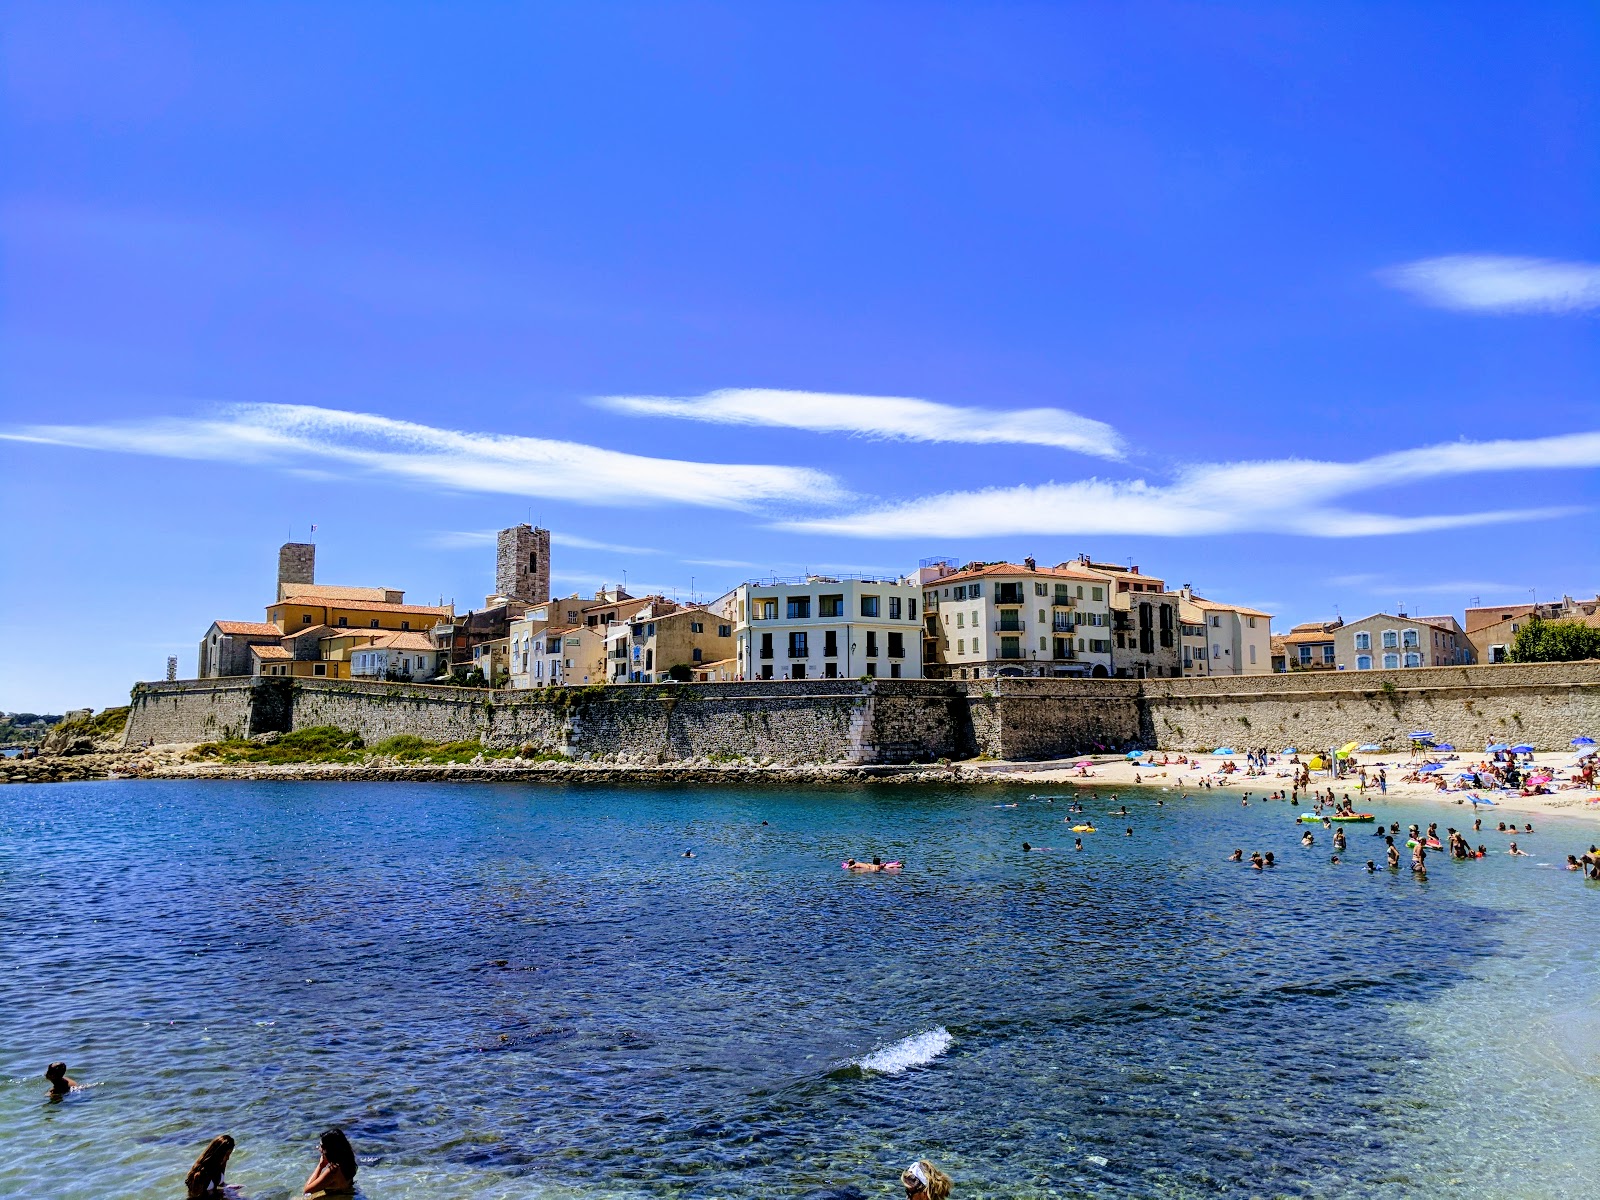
pixel 1383 782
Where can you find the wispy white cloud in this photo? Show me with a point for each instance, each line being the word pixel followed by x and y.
pixel 1382 585
pixel 900 417
pixel 1499 283
pixel 1294 496
pixel 301 437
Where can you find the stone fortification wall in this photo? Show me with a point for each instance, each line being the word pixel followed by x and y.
pixel 899 721
pixel 1543 704
pixel 819 721
pixel 192 710
pixel 1022 719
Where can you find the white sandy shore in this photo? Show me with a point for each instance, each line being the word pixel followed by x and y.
pixel 1120 772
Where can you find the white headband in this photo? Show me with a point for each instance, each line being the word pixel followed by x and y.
pixel 916 1172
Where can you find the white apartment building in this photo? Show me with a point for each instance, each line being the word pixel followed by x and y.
pixel 1010 619
pixel 1223 639
pixel 826 627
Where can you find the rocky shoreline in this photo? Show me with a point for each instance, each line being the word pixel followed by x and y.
pixel 171 763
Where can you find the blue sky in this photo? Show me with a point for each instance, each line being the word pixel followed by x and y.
pixel 1297 303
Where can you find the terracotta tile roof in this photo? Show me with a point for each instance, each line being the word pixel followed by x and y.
pixel 408 639
pixel 366 606
pixel 1064 572
pixel 1218 606
pixel 1297 636
pixel 249 628
pixel 329 591
pixel 272 652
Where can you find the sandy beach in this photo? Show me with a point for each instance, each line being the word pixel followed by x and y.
pixel 1109 771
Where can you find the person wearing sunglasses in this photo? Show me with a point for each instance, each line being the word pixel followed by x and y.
pixel 924 1181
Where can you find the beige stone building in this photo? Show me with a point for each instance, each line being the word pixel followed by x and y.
pixel 1223 639
pixel 1017 619
pixel 1395 641
pixel 1144 621
pixel 651 643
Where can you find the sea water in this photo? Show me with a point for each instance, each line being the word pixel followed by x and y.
pixel 527 991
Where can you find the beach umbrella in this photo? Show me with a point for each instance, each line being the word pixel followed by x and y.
pixel 1288 750
pixel 1224 750
pixel 1369 748
pixel 1522 749
pixel 1421 736
pixel 1443 746
pixel 1583 741
pixel 1135 753
pixel 1430 768
pixel 1496 747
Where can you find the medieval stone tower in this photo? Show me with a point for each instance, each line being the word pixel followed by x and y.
pixel 522 564
pixel 297 564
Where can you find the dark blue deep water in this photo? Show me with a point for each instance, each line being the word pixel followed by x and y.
pixel 513 991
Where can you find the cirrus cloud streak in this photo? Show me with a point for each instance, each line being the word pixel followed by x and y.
pixel 334 443
pixel 1290 496
pixel 1499 283
pixel 903 418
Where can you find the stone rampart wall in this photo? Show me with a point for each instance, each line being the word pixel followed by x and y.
pixel 1543 704
pixel 1022 719
pixel 897 721
pixel 193 710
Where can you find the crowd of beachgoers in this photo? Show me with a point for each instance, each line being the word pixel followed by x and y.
pixel 1511 776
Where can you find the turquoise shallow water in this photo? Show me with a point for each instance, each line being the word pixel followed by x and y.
pixel 506 991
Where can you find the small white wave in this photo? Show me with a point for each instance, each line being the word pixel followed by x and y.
pixel 914 1051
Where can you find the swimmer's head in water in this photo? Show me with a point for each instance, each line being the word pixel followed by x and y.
pixel 1025 846
pixel 337 1149
pixel 56 1072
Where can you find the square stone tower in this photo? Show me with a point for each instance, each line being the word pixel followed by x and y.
pixel 297 564
pixel 522 564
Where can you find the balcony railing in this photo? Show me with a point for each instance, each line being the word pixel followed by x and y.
pixel 799 652
pixel 1010 623
pixel 765 652
pixel 1061 625
pixel 1010 652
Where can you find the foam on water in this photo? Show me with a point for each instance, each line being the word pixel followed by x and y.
pixel 915 1051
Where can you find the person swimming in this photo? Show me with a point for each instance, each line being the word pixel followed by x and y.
pixel 1236 856
pixel 336 1168
pixel 688 854
pixel 1077 843
pixel 1307 839
pixel 1371 866
pixel 924 1181
pixel 60 1085
pixel 1516 853
pixel 205 1177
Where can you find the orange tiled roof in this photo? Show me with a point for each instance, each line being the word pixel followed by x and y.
pixel 1064 572
pixel 366 606
pixel 409 639
pixel 331 591
pixel 1220 607
pixel 273 652
pixel 250 628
